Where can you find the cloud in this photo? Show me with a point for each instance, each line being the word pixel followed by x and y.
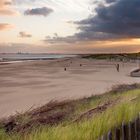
pixel 120 19
pixel 57 39
pixel 5 26
pixel 19 2
pixel 24 35
pixel 6 12
pixel 8 2
pixel 44 11
pixel 110 1
pixel 112 19
pixel 6 8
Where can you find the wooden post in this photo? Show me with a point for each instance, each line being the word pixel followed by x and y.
pixel 129 131
pixel 132 131
pixel 109 136
pixel 138 128
pixel 125 132
pixel 117 134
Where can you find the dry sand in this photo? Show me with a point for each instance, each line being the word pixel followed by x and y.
pixel 27 84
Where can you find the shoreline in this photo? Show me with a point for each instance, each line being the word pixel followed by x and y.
pixel 32 57
pixel 11 61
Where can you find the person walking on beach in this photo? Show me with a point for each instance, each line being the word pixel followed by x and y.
pixel 118 67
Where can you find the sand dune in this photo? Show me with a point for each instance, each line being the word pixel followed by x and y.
pixel 27 84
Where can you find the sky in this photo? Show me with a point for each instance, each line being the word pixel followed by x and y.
pixel 69 26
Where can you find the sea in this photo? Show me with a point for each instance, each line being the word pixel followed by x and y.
pixel 28 56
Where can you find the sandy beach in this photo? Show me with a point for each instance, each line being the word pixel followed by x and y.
pixel 31 84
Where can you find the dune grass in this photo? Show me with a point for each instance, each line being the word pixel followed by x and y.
pixel 120 56
pixel 125 110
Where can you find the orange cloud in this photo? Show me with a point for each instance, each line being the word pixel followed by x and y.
pixel 5 26
pixel 6 8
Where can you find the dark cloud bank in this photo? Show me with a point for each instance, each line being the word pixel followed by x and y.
pixel 44 11
pixel 114 19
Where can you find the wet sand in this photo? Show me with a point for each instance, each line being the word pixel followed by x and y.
pixel 27 84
